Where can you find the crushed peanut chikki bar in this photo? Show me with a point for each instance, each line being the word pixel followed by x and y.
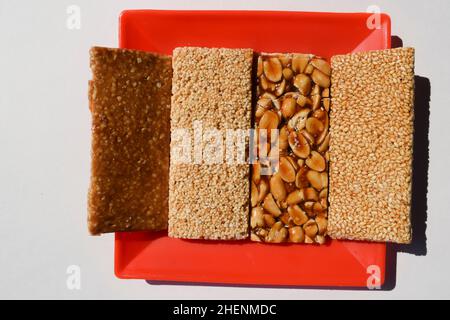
pixel 371 145
pixel 129 98
pixel 210 200
pixel 293 96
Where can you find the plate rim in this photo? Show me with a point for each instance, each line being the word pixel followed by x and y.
pixel 120 269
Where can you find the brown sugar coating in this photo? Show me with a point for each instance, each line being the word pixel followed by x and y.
pixel 371 126
pixel 129 97
pixel 210 201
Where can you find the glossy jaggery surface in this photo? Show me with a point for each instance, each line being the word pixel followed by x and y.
pixel 129 97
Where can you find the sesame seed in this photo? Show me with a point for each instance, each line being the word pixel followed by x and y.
pixel 210 201
pixel 371 128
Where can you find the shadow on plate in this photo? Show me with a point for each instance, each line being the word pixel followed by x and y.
pixel 420 165
pixel 151 282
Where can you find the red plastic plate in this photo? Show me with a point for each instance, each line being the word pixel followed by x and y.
pixel 155 256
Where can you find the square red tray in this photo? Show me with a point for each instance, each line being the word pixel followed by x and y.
pixel 155 256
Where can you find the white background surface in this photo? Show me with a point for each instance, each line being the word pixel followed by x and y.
pixel 45 145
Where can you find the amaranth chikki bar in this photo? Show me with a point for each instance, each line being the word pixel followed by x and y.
pixel 129 99
pixel 293 96
pixel 371 145
pixel 210 201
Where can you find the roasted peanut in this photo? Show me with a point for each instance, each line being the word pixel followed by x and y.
pixel 310 194
pixel 277 233
pixel 296 234
pixel 301 181
pixel 325 143
pixel 298 121
pixel 303 83
pixel 323 194
pixel 308 137
pixel 284 60
pixel 295 197
pixel 288 73
pixel 303 101
pixel 274 99
pixel 266 84
pixel 321 224
pixel 254 195
pixel 317 208
pixel 288 107
pixel 299 62
pixel 320 239
pixel 257 217
pixel 309 69
pixel 254 237
pixel 286 170
pixel 297 215
pixel 299 144
pixel 279 88
pixel 310 228
pixel 269 220
pixel 322 116
pixel 316 161
pixel 263 189
pixel 316 91
pixel 324 178
pixel 270 206
pixel 264 102
pixel 269 120
pixel 262 233
pixel 316 102
pixel 322 66
pixel 320 78
pixel 326 104
pixel 293 95
pixel 262 105
pixel 285 218
pixel 308 206
pixel 283 142
pixel 308 240
pixel 323 202
pixel 273 69
pixel 277 187
pixel 293 162
pixel 314 126
pixel 256 172
pixel 315 179
pixel 260 67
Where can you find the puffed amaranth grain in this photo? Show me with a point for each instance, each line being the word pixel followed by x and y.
pixel 371 129
pixel 129 98
pixel 210 200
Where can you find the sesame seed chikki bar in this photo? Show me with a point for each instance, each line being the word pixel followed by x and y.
pixel 293 96
pixel 371 127
pixel 209 200
pixel 129 99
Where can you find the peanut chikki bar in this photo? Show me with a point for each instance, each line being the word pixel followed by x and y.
pixel 209 200
pixel 371 145
pixel 129 98
pixel 291 204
